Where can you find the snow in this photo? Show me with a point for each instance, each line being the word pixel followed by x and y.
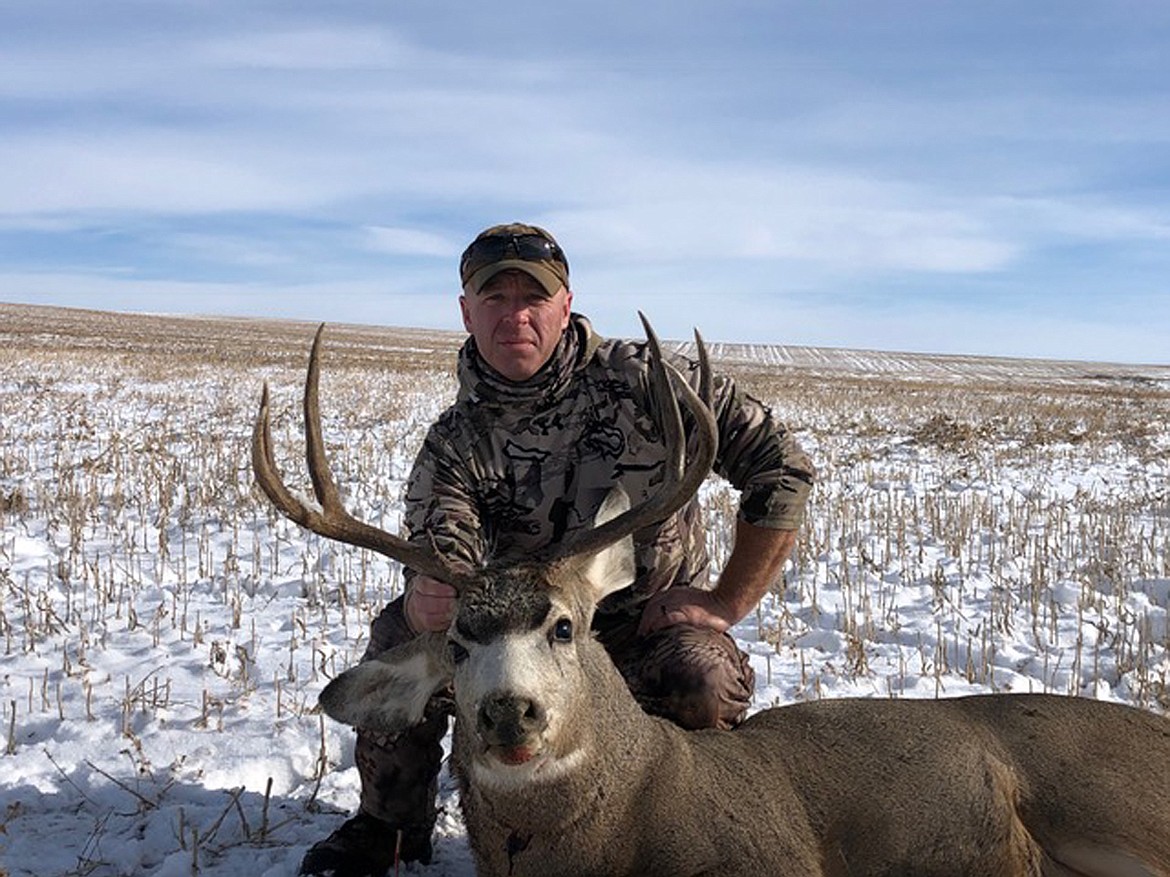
pixel 164 633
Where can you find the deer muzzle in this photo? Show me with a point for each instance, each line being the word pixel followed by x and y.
pixel 511 726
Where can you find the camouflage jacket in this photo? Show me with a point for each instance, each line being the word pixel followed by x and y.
pixel 510 468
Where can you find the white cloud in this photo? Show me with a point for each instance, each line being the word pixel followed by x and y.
pixel 368 300
pixel 317 48
pixel 409 242
pixel 807 215
pixel 1094 218
pixel 362 149
pixel 144 171
pixel 228 249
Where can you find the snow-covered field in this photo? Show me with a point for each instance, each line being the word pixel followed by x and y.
pixel 979 525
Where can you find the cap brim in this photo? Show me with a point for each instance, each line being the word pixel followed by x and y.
pixel 546 277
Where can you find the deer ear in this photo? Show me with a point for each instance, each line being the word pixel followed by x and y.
pixel 389 693
pixel 612 568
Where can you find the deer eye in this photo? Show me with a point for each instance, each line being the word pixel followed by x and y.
pixel 458 653
pixel 563 631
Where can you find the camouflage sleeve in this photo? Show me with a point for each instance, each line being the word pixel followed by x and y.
pixel 761 458
pixel 441 510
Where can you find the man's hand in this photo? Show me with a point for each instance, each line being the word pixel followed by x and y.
pixel 681 605
pixel 430 605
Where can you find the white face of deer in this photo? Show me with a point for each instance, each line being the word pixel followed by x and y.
pixel 515 653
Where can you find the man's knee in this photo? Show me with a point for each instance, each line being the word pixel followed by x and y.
pixel 399 772
pixel 694 676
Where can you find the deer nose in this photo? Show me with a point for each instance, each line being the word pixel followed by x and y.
pixel 509 720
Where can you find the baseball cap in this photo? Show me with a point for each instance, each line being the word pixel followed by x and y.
pixel 516 245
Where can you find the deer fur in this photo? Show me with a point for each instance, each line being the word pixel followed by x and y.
pixel 1009 785
pixel 561 772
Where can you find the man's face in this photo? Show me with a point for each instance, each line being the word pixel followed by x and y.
pixel 515 324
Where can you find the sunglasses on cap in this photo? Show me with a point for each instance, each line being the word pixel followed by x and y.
pixel 488 250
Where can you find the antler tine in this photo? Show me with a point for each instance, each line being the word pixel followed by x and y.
pixel 319 470
pixel 264 466
pixel 330 519
pixel 665 403
pixel 706 382
pixel 682 479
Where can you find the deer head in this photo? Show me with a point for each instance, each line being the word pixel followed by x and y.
pixel 520 643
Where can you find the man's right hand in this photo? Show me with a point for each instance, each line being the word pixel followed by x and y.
pixel 430 605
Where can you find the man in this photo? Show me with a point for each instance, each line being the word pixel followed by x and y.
pixel 549 417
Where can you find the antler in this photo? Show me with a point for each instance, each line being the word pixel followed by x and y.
pixel 330 519
pixel 682 478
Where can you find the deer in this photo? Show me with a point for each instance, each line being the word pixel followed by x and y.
pixel 561 772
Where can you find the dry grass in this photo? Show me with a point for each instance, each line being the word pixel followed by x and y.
pixel 1032 511
pixel 1036 510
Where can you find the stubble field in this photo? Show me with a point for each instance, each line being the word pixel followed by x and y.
pixel 978 525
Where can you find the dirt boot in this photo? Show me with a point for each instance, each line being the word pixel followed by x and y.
pixel 363 847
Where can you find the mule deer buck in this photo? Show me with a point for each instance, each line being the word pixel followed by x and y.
pixel 561 772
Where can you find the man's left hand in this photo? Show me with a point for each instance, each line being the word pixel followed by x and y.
pixel 682 605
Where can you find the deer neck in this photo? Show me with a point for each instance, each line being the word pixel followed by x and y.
pixel 617 743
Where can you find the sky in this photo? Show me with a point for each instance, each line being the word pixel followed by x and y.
pixel 948 177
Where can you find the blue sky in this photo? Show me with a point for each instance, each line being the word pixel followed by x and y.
pixel 961 177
